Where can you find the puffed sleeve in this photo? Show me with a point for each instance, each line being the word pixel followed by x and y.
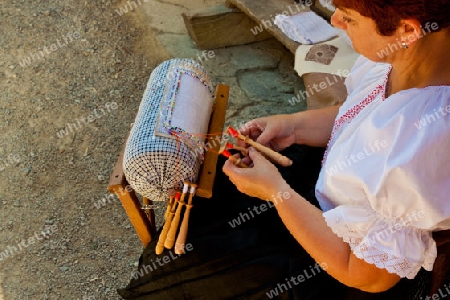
pixel 386 181
pixel 394 245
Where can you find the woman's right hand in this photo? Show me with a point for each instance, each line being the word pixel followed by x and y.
pixel 311 127
pixel 276 132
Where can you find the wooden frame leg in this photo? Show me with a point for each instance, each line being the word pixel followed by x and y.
pixel 117 184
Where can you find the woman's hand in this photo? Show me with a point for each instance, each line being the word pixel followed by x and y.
pixel 261 180
pixel 311 127
pixel 276 132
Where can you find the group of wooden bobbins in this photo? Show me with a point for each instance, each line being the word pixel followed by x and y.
pixel 172 219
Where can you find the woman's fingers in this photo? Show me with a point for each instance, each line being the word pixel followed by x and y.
pixel 274 132
pixel 247 160
pixel 254 128
pixel 258 130
pixel 248 127
pixel 259 180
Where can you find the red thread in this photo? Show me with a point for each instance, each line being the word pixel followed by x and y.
pixel 226 153
pixel 233 132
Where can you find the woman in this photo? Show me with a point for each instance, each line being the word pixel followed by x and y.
pixel 381 191
pixel 370 193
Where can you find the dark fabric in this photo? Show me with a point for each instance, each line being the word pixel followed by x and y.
pixel 246 261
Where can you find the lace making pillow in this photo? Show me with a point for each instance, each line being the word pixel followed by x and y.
pixel 166 143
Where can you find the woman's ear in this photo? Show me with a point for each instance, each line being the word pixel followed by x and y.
pixel 410 31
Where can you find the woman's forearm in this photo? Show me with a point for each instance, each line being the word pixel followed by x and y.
pixel 313 127
pixel 308 226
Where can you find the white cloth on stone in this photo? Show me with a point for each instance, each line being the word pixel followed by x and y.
pixel 305 27
pixel 385 181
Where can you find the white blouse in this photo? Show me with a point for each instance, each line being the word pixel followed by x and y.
pixel 385 181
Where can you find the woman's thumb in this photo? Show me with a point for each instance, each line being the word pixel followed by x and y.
pixel 254 154
pixel 264 137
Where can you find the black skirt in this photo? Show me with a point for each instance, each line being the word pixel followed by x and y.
pixel 238 248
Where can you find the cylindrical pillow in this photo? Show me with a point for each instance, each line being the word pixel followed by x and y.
pixel 166 143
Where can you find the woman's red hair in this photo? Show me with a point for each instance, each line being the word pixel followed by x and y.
pixel 387 14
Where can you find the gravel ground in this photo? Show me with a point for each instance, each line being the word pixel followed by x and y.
pixel 83 59
pixel 72 75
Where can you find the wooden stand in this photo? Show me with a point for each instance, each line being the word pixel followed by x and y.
pixel 208 169
pixel 145 226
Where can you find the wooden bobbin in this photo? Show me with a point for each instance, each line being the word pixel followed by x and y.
pixel 181 239
pixel 162 237
pixel 170 239
pixel 236 161
pixel 243 150
pixel 169 207
pixel 266 151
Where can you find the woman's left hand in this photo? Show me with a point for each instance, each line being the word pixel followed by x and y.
pixel 261 179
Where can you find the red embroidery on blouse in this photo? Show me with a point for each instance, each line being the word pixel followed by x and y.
pixel 347 117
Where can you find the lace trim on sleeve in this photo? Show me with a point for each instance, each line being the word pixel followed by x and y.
pixel 377 241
